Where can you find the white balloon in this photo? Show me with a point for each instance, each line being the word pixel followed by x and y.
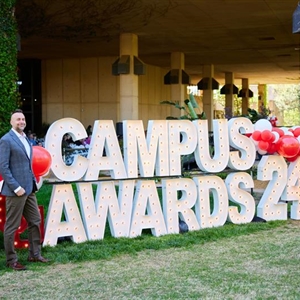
pixel 277 136
pixel 262 152
pixel 284 129
pixel 262 125
pixel 288 133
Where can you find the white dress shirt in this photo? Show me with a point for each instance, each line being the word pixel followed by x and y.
pixel 25 142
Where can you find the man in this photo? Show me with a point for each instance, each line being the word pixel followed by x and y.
pixel 19 188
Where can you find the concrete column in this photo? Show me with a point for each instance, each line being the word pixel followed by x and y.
pixel 178 91
pixel 262 96
pixel 245 100
pixel 129 109
pixel 208 96
pixel 229 99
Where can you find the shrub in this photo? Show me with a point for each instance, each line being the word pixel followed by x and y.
pixel 8 62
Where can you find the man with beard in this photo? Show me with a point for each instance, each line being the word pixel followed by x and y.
pixel 19 188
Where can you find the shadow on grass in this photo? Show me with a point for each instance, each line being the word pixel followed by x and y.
pixel 110 247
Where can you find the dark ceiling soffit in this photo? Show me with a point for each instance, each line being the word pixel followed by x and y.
pixel 245 93
pixel 229 89
pixel 205 84
pixel 296 19
pixel 172 77
pixel 122 66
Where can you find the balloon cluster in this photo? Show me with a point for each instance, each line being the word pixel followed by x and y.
pixel 274 140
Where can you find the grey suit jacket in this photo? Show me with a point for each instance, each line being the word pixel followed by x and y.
pixel 15 165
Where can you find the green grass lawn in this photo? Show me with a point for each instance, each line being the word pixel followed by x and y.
pixel 109 247
pixel 250 261
pixel 257 261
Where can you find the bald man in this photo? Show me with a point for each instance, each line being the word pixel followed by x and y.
pixel 19 188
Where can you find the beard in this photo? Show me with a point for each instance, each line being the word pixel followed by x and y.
pixel 20 128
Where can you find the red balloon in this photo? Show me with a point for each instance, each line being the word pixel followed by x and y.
pixel 272 138
pixel 41 161
pixel 262 145
pixel 266 135
pixel 291 159
pixel 297 132
pixel 287 146
pixel 1 178
pixel 271 149
pixel 256 135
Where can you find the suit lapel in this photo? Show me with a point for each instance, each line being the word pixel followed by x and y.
pixel 30 147
pixel 17 140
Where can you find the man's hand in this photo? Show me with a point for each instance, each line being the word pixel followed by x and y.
pixel 21 192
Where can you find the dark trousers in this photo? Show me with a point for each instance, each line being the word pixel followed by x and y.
pixel 15 208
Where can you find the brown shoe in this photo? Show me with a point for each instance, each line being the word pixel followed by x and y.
pixel 38 259
pixel 16 266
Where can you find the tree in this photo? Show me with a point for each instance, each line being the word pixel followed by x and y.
pixel 287 99
pixel 8 63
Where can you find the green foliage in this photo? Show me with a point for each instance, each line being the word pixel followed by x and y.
pixel 292 117
pixel 188 108
pixel 287 100
pixel 8 63
pixel 229 112
pixel 287 96
pixel 254 116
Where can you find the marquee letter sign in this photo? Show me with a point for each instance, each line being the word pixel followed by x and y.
pixel 156 153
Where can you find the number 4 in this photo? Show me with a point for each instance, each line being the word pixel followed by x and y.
pixel 292 189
